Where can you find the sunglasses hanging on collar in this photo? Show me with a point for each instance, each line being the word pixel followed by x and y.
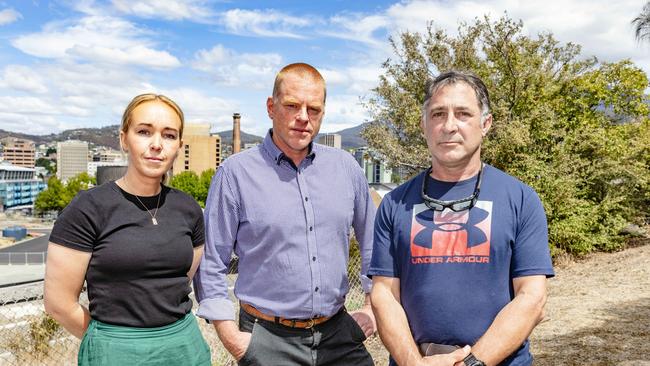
pixel 454 205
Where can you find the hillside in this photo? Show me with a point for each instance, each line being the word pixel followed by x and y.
pixel 246 138
pixel 351 137
pixel 105 136
pixel 109 136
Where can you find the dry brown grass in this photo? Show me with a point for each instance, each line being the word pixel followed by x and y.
pixel 598 311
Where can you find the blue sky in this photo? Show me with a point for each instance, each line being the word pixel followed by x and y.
pixel 68 64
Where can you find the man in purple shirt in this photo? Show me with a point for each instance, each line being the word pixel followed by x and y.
pixel 286 208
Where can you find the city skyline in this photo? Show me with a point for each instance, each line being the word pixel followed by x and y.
pixel 76 64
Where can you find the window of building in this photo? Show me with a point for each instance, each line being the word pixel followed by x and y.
pixel 377 173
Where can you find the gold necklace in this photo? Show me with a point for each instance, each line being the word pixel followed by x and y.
pixel 153 216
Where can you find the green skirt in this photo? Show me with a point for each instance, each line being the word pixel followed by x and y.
pixel 179 343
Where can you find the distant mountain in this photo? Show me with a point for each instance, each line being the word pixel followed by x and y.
pixel 351 137
pixel 105 136
pixel 246 138
pixel 109 136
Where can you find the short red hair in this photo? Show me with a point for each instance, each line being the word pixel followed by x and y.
pixel 300 69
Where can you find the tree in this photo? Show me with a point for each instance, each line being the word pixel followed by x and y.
pixel 574 129
pixel 194 185
pixel 74 185
pixel 642 23
pixel 204 186
pixel 47 164
pixel 53 198
pixel 57 195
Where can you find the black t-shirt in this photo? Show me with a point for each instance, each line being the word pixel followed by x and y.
pixel 137 275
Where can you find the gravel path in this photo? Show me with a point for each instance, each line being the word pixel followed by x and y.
pixel 598 312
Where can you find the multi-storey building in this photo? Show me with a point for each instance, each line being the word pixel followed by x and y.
pixel 200 151
pixel 94 165
pixel 17 151
pixel 18 187
pixel 330 139
pixel 373 165
pixel 105 154
pixel 71 159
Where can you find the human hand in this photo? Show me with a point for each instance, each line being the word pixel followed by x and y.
pixel 448 359
pixel 366 320
pixel 234 341
pixel 239 345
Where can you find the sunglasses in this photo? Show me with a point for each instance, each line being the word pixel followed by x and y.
pixel 455 205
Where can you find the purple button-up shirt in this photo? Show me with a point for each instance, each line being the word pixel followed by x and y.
pixel 290 228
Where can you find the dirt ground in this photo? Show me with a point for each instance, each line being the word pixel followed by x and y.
pixel 598 311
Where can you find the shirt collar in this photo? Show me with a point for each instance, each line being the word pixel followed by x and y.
pixel 277 154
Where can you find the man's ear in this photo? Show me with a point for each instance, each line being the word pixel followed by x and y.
pixel 269 107
pixel 486 124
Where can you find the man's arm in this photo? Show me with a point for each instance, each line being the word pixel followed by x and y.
pixel 365 317
pixel 363 222
pixel 394 329
pixel 515 321
pixel 210 282
pixel 235 341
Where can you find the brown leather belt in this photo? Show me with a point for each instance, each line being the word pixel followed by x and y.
pixel 292 323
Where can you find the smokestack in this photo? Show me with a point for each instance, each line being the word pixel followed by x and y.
pixel 236 139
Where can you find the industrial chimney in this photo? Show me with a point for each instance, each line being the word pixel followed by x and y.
pixel 236 139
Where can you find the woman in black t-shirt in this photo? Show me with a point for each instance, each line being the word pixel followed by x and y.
pixel 137 244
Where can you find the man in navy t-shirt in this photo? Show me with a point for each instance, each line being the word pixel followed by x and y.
pixel 460 255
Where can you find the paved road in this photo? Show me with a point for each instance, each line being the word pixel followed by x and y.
pixel 36 245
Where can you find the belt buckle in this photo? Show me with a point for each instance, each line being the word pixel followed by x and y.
pixel 310 324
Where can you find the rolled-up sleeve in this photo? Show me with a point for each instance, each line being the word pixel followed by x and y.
pixel 221 223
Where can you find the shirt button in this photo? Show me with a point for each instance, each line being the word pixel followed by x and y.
pixel 306 198
pixel 311 228
pixel 316 289
pixel 313 258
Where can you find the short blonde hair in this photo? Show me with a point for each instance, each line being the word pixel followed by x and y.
pixel 150 97
pixel 301 69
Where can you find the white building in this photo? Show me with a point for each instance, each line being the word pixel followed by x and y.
pixel 71 159
pixel 92 165
pixel 330 139
pixel 374 165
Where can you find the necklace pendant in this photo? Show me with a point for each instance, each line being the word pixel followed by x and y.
pixel 154 221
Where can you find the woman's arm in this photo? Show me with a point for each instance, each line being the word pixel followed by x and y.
pixel 64 277
pixel 198 253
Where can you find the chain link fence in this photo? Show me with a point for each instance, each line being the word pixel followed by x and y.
pixel 29 337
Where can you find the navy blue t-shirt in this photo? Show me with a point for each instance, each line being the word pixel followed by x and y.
pixel 456 268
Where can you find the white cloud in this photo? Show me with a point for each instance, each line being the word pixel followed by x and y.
pixel 193 10
pixel 105 85
pixel 357 27
pixel 8 16
pixel 343 111
pixel 602 27
pixel 95 38
pixel 358 79
pixel 80 95
pixel 136 55
pixel 26 105
pixel 228 67
pixel 201 108
pixel 90 95
pixel 22 78
pixel 32 124
pixel 264 23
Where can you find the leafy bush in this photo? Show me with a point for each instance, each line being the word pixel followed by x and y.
pixel 574 129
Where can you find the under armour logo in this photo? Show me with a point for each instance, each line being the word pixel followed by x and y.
pixel 450 222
